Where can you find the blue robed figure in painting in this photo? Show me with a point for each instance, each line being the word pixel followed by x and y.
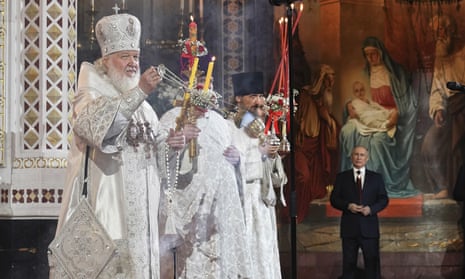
pixel 390 86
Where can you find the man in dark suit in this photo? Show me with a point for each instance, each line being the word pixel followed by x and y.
pixel 360 194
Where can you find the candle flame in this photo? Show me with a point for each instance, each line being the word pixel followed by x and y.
pixel 192 18
pixel 213 59
pixel 301 7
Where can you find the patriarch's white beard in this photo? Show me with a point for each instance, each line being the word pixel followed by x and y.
pixel 122 82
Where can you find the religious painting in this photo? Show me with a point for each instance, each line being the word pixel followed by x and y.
pixel 386 75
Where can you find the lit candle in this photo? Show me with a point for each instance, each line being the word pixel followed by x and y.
pixel 193 72
pixel 208 78
pixel 285 39
pixel 299 14
pixel 285 31
pixel 282 80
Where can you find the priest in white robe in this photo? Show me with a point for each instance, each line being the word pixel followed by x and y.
pixel 202 226
pixel 112 118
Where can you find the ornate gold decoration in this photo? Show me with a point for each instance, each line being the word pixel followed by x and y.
pixel 54 53
pixel 54 138
pixel 31 95
pixel 54 32
pixel 72 13
pixel 47 196
pixel 31 74
pixel 31 32
pixel 54 11
pixel 40 162
pixel 72 34
pixel 54 74
pixel 18 196
pixel 32 10
pixel 31 53
pixel 54 96
pixel 49 84
pixel 32 195
pixel 71 77
pixel 31 138
pixel 31 117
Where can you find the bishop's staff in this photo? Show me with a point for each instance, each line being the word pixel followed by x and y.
pixel 183 118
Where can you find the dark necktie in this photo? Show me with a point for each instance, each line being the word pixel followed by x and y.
pixel 359 185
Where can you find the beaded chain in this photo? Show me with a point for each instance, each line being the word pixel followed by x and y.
pixel 171 186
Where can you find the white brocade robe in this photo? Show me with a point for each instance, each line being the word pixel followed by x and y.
pixel 261 224
pixel 209 227
pixel 123 187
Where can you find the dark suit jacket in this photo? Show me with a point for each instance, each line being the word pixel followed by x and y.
pixel 374 195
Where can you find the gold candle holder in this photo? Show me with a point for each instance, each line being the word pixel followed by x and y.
pixel 329 189
pixel 92 39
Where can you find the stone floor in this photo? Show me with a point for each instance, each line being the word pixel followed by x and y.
pixel 429 246
pixel 426 247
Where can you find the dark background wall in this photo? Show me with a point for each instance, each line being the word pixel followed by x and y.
pixel 23 248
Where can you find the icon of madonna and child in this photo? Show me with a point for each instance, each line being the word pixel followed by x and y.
pixel 385 124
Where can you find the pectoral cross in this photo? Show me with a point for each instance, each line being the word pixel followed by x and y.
pixel 116 8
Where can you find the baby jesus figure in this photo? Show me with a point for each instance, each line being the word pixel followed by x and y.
pixel 368 116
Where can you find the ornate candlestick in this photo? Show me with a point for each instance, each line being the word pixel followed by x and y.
pixel 181 26
pixel 92 39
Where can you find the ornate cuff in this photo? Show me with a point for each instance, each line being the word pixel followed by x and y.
pixel 131 100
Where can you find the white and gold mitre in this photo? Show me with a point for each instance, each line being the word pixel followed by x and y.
pixel 118 32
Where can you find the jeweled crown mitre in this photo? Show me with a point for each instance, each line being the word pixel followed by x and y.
pixel 118 32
